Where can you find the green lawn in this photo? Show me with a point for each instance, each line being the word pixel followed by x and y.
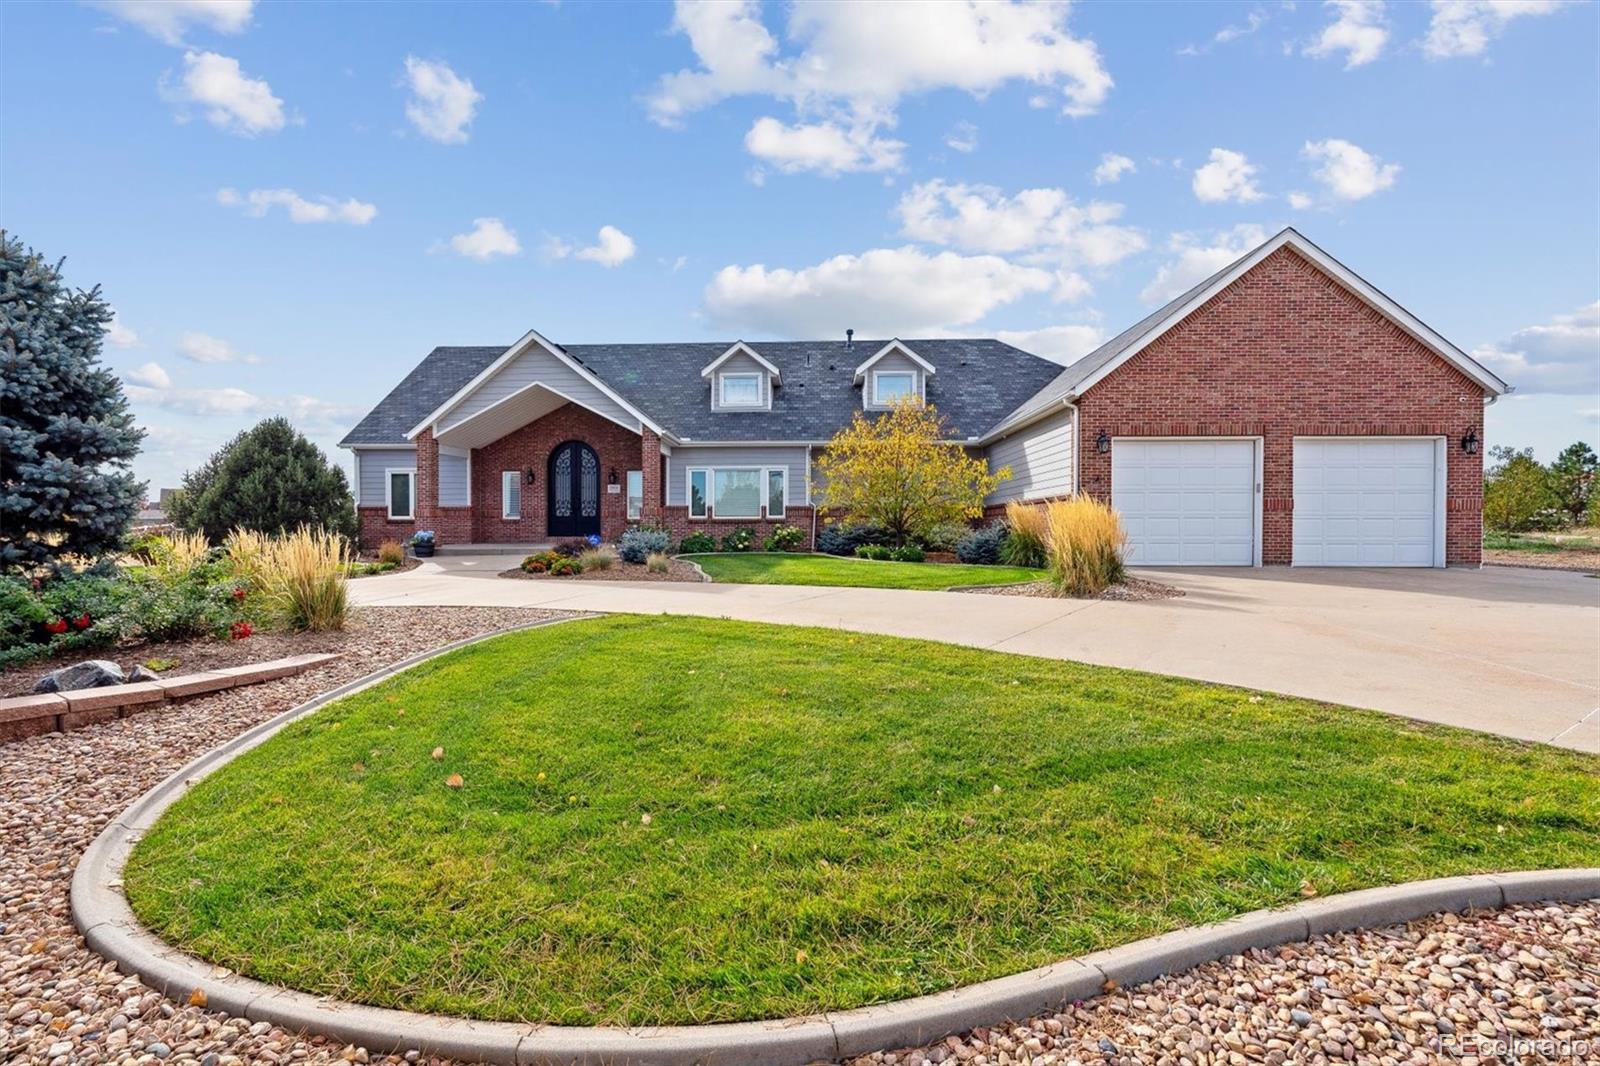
pixel 833 820
pixel 1580 540
pixel 760 568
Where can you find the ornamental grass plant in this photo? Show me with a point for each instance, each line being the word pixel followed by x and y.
pixel 1085 541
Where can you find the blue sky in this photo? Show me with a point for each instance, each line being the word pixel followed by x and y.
pixel 290 204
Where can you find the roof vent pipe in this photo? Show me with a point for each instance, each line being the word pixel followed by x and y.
pixel 849 339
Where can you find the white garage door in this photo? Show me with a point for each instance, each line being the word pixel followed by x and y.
pixel 1186 502
pixel 1367 501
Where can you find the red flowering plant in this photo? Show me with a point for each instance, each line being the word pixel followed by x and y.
pixel 241 630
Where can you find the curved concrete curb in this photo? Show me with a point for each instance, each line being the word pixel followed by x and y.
pixel 101 913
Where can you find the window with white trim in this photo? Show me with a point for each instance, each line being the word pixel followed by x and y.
pixel 400 493
pixel 740 390
pixel 777 490
pixel 698 480
pixel 891 385
pixel 736 492
pixel 510 494
pixel 635 494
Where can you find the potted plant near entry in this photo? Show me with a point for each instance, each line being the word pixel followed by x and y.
pixel 422 543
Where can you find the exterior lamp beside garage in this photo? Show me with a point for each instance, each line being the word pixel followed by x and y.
pixel 1469 443
pixel 1102 443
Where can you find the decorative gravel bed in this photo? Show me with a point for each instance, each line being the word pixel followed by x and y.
pixel 60 1003
pixel 1584 561
pixel 1133 588
pixel 677 570
pixel 1421 993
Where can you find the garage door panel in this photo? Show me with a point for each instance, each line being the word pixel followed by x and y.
pixel 1365 502
pixel 1186 503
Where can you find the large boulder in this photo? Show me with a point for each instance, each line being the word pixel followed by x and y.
pixel 91 673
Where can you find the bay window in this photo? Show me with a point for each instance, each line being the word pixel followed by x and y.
pixel 737 492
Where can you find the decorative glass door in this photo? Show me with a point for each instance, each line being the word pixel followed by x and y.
pixel 573 490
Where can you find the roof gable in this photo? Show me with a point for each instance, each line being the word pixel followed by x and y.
pixel 895 345
pixel 740 347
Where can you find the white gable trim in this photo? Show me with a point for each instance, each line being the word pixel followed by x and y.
pixel 1340 273
pixel 529 340
pixel 926 366
pixel 738 348
pixel 504 400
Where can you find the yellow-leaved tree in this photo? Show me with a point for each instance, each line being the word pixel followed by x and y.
pixel 895 471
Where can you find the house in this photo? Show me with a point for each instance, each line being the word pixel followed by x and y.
pixel 1282 411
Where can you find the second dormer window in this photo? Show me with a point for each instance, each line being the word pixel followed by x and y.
pixel 888 386
pixel 740 390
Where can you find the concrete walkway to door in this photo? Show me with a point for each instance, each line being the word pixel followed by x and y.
pixel 1508 651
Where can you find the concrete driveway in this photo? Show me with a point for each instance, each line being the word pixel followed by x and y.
pixel 1508 651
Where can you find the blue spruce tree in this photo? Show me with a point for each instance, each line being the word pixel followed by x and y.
pixel 66 437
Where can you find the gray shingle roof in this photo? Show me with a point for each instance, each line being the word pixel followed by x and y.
pixel 975 384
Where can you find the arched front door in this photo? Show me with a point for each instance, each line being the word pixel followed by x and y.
pixel 573 490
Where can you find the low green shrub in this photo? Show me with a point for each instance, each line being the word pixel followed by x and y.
pixel 697 543
pixel 982 546
pixel 640 542
pixel 539 562
pixel 844 538
pixel 740 539
pixel 784 538
pixel 877 552
pixel 943 537
pixel 908 553
pixel 565 566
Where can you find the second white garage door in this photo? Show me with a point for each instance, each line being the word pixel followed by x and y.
pixel 1368 501
pixel 1186 502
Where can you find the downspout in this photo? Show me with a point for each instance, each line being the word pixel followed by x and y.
pixel 1077 445
pixel 808 500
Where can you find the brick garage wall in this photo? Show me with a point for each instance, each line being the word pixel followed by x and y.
pixel 377 527
pixel 681 525
pixel 531 446
pixel 1286 351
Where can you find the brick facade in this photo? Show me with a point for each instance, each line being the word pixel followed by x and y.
pixel 377 527
pixel 680 525
pixel 1286 351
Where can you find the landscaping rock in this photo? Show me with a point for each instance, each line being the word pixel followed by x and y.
pixel 143 673
pixel 91 673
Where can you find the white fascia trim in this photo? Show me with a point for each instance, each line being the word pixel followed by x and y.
pixel 528 340
pixel 861 370
pixel 738 348
pixel 1340 273
pixel 402 446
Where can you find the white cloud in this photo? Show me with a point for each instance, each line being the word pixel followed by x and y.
pixel 1358 29
pixel 306 412
pixel 1562 355
pixel 1228 176
pixel 119 335
pixel 963 137
pixel 870 55
pixel 613 248
pixel 169 20
pixel 885 291
pixel 257 202
pixel 1195 258
pixel 1112 167
pixel 442 102
pixel 1048 222
pixel 1589 414
pixel 1253 22
pixel 204 348
pixel 1349 172
pixel 488 238
pixel 1300 201
pixel 1465 27
pixel 150 375
pixel 230 99
pixel 1063 344
pixel 823 147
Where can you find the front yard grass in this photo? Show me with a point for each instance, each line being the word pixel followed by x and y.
pixel 777 568
pixel 1576 540
pixel 670 820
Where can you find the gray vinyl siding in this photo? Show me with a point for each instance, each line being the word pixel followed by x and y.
pixel 371 463
pixel 894 361
pixel 682 459
pixel 741 364
pixel 455 489
pixel 537 365
pixel 1040 458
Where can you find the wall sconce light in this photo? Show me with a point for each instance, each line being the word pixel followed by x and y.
pixel 613 476
pixel 1102 443
pixel 1469 443
pixel 530 475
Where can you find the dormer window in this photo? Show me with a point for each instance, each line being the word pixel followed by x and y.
pixel 740 390
pixel 891 386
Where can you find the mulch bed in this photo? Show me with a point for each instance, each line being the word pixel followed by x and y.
pixel 411 563
pixel 677 570
pixel 1133 588
pixel 1582 561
